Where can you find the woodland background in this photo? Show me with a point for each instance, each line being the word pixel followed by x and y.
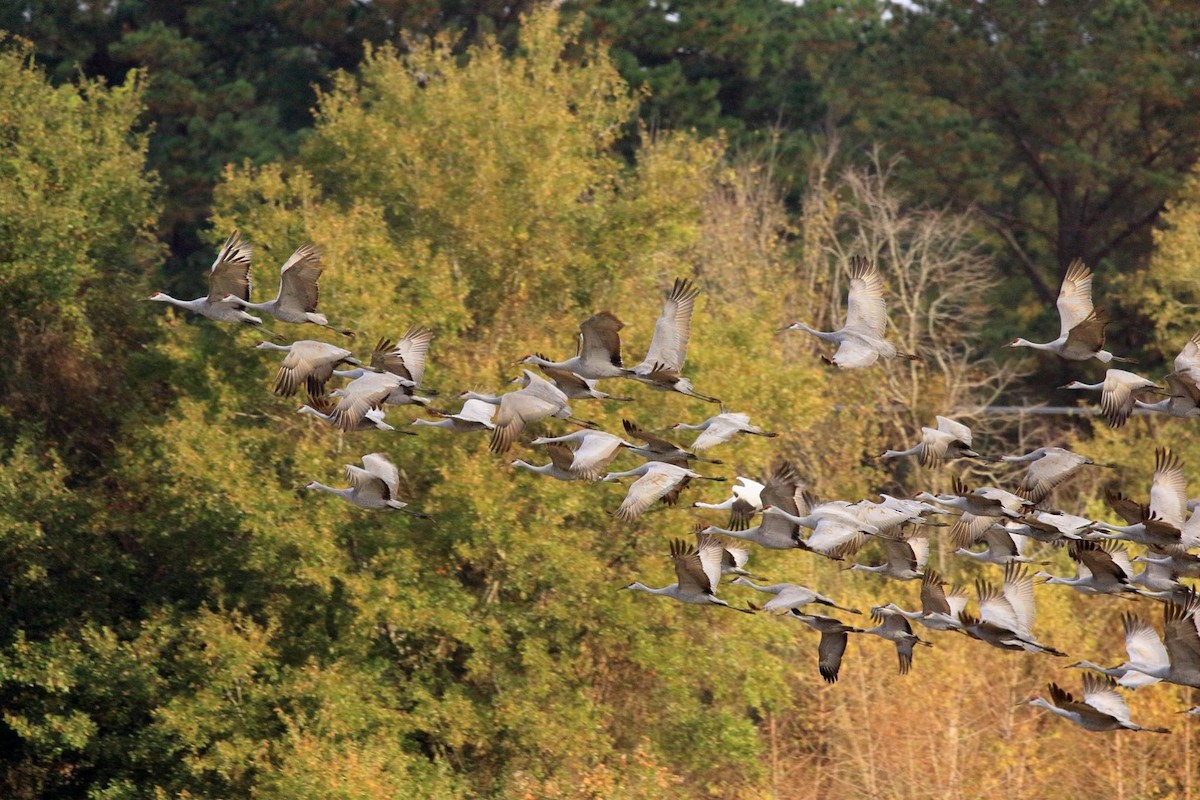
pixel 179 620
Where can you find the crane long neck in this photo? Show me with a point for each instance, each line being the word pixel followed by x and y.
pixel 669 591
pixel 912 451
pixel 244 304
pixel 698 427
pixel 286 348
pixel 331 489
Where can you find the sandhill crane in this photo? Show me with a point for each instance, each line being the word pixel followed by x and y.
pixel 860 339
pixel 839 529
pixel 1177 660
pixel 1159 579
pixel 774 532
pixel 939 609
pixel 697 574
pixel 406 360
pixel 322 407
pixel 734 561
pixel 655 481
pixel 979 509
pixel 593 451
pixel 374 485
pixel 1119 390
pixel 950 440
pixel 722 428
pixel 536 400
pixel 1099 569
pixel 599 350
pixel 657 448
pixel 1183 385
pixel 741 505
pixel 1050 527
pixel 833 641
pixel 1102 707
pixel 895 628
pixel 906 557
pixel 297 298
pixel 1161 523
pixel 475 415
pixel 575 387
pixel 1142 647
pixel 307 362
pixel 559 467
pixel 1004 546
pixel 228 279
pixel 790 595
pixel 1081 326
pixel 662 367
pixel 365 393
pixel 1006 614
pixel 1049 467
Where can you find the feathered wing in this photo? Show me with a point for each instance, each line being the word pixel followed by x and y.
pixel 360 396
pixel 1018 591
pixel 1100 692
pixel 647 490
pixel 601 339
pixel 594 454
pixel 1142 644
pixel 689 568
pixel 230 272
pixel 853 353
pixel 366 484
pixel 1074 297
pixel 1168 488
pixel 673 329
pixel 298 279
pixel 866 310
pixel 378 465
pixel 409 353
pixel 829 655
pixel 711 553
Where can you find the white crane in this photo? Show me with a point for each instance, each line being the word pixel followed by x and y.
pixel 774 532
pixel 906 557
pixel 374 485
pixel 978 509
pixel 1049 467
pixel 895 628
pixel 949 440
pixel 559 467
pixel 575 387
pixel 1102 707
pixel 655 480
pixel 536 400
pixel 1006 614
pixel 593 451
pixel 741 505
pixel 790 595
pixel 307 362
pixel 662 367
pixel 1178 660
pixel 297 298
pixel 939 609
pixel 1161 523
pixel 475 415
pixel 599 353
pixel 1081 325
pixel 1183 385
pixel 406 360
pixel 722 428
pixel 657 448
pixel 1099 569
pixel 1004 546
pixel 734 559
pixel 1118 392
pixel 860 340
pixel 322 408
pixel 229 278
pixel 697 574
pixel 1142 647
pixel 363 394
pixel 834 635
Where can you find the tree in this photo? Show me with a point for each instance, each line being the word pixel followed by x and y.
pixel 1067 124
pixel 76 216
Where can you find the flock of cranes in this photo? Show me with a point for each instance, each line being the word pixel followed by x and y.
pixel 786 515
